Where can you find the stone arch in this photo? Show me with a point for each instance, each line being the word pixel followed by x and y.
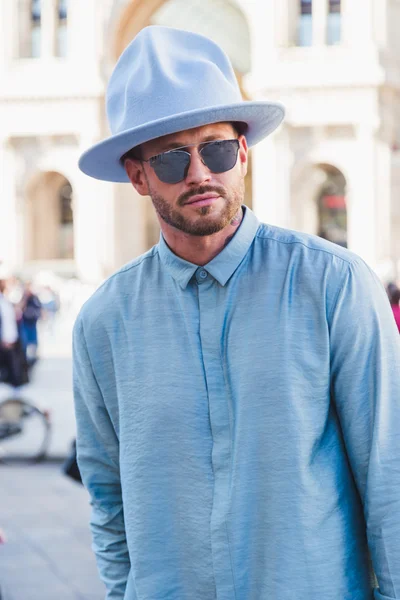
pixel 49 218
pixel 221 20
pixel 319 200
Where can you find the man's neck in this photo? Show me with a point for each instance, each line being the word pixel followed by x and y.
pixel 200 250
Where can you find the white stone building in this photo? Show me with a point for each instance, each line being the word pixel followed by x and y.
pixel 332 169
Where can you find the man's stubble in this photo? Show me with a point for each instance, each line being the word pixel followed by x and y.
pixel 203 225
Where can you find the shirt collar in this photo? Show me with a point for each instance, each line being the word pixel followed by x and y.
pixel 222 266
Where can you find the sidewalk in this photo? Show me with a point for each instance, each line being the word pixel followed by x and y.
pixel 47 555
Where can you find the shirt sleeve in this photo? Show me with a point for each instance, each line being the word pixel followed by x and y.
pixel 9 330
pixel 97 456
pixel 365 371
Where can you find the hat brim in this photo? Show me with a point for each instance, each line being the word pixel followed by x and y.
pixel 103 160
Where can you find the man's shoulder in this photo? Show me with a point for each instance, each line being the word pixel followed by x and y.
pixel 119 284
pixel 309 242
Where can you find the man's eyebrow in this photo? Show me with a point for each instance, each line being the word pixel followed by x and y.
pixel 211 138
pixel 172 145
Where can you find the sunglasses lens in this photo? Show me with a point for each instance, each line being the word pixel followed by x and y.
pixel 171 167
pixel 220 156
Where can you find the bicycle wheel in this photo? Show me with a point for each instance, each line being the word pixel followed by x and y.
pixel 24 431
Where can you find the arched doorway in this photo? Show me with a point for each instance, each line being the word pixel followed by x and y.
pixel 332 208
pixel 221 20
pixel 49 218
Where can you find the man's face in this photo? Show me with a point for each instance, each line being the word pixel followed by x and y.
pixel 178 204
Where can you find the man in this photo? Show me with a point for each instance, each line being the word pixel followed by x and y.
pixel 394 298
pixel 31 312
pixel 8 321
pixel 237 386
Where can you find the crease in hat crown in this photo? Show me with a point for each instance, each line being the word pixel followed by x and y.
pixel 165 81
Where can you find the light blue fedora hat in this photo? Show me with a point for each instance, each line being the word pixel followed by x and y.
pixel 169 80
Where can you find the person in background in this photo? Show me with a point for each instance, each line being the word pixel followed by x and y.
pixel 395 304
pixel 31 313
pixel 13 368
pixel 8 321
pixel 50 302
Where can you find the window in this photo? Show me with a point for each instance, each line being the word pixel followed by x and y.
pixel 36 17
pixel 62 28
pixel 304 29
pixel 334 31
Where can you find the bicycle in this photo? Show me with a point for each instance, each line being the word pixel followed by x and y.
pixel 24 431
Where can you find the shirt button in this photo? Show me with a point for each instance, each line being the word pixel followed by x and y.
pixel 201 275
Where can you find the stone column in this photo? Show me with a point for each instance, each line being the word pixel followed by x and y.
pixel 11 242
pixel 362 209
pixel 261 17
pixel 271 179
pixel 8 29
pixel 84 30
pixel 383 200
pixel 358 22
pixel 94 222
pixel 319 21
pixel 48 28
pixel 262 20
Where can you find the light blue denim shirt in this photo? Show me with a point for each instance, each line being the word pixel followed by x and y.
pixel 239 424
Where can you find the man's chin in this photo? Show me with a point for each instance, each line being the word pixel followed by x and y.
pixel 205 225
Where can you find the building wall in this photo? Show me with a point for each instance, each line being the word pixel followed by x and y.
pixel 342 110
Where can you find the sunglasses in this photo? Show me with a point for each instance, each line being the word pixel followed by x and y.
pixel 172 166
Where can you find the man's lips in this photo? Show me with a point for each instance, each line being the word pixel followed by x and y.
pixel 202 199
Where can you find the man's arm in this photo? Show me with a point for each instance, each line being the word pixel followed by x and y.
pixel 365 371
pixel 97 454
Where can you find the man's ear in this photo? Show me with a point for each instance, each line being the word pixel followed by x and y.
pixel 135 171
pixel 243 153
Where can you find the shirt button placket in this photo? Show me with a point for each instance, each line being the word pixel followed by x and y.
pixel 210 337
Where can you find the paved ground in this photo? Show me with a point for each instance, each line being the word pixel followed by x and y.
pixel 47 555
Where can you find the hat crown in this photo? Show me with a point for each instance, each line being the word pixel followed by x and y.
pixel 165 71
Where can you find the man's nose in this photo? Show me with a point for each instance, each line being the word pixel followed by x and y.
pixel 198 172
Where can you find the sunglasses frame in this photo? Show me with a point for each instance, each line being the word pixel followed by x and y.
pixel 200 145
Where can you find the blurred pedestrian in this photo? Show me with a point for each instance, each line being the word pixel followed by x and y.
pixel 391 287
pixel 8 321
pixel 13 367
pixel 395 304
pixel 50 302
pixel 31 312
pixel 237 386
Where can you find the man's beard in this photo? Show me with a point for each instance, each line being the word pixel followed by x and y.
pixel 202 225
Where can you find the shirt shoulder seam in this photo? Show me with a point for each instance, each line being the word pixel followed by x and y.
pixel 269 237
pixel 127 268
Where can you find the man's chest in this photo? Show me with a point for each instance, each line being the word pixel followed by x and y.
pixel 205 355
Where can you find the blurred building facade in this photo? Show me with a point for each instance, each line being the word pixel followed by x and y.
pixel 332 169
